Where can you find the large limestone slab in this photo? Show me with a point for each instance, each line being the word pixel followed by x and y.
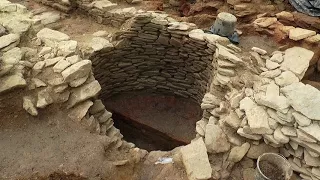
pixel 296 60
pixel 76 71
pixel 238 152
pixel 11 82
pixel 272 99
pixel 195 160
pixel 299 33
pixel 52 35
pixel 215 139
pixel 257 117
pixel 313 130
pixel 304 98
pixel 6 40
pixel 83 93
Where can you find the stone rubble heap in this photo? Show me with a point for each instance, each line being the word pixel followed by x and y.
pixel 103 11
pixel 14 22
pixel 290 31
pixel 278 109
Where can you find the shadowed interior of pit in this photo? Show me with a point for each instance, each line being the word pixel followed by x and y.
pixel 154 121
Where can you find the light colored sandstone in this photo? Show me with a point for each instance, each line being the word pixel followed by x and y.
pixel 238 152
pixel 301 119
pixel 232 120
pixel 83 93
pixel 99 43
pixel 78 82
pixel 299 33
pixel 60 66
pixel 313 130
pixel 195 160
pixel 289 131
pixel 303 98
pixel 311 161
pixel 265 21
pixel 286 78
pixel 256 150
pixel 47 34
pixel 29 106
pixel 11 82
pixel 271 65
pixel 53 61
pixel 272 98
pixel 13 56
pixel 280 137
pixel 296 60
pixel 259 50
pixel 305 137
pixel 215 139
pixel 78 112
pixel 249 136
pixel 44 99
pixel 6 40
pixel 66 48
pixel 277 58
pixel 257 117
pixel 76 71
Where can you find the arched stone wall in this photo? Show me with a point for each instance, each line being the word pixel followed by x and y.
pixel 157 55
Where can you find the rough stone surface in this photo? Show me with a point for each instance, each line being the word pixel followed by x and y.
pixel 303 98
pixel 299 33
pixel 29 106
pixel 195 160
pixel 52 35
pixel 301 119
pixel 44 99
pixel 257 117
pixel 215 139
pixel 84 92
pixel 313 130
pixel 286 78
pixel 99 43
pixel 256 150
pixel 61 65
pixel 11 82
pixel 6 40
pixel 280 137
pixel 296 60
pixel 79 111
pixel 238 152
pixel 76 71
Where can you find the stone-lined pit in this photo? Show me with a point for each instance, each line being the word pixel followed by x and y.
pixel 153 83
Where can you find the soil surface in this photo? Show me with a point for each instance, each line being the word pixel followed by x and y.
pixel 271 171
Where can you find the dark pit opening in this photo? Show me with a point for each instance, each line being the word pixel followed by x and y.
pixel 154 121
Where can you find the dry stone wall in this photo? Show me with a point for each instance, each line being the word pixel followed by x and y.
pixel 157 54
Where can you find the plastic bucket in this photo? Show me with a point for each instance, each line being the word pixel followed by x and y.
pixel 278 161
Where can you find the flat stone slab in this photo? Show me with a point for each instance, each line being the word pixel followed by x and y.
pixel 11 82
pixel 296 60
pixel 83 93
pixel 195 160
pixel 313 130
pixel 297 34
pixel 49 34
pixel 6 40
pixel 304 98
pixel 257 117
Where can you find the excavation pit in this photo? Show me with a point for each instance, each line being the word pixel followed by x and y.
pixel 153 80
pixel 154 121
